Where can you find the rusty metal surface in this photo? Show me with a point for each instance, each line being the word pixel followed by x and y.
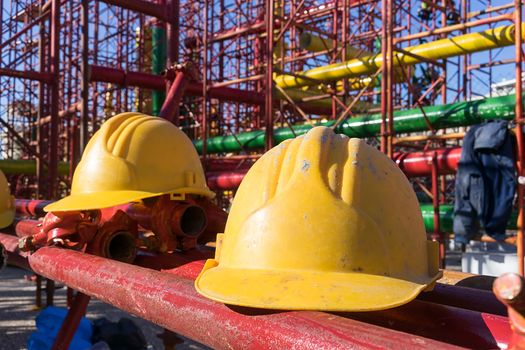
pixel 170 300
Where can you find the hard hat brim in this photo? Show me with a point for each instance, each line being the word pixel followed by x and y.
pixel 306 290
pixel 106 199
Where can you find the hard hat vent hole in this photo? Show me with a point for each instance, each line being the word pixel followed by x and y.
pixel 122 247
pixel 193 221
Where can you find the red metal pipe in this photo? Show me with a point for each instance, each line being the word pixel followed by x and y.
pixel 520 242
pixel 452 325
pixel 412 164
pixel 26 228
pixel 141 6
pixel 71 322
pixel 465 298
pixel 436 235
pixel 32 75
pixel 229 180
pixel 30 207
pixel 170 107
pixel 171 301
pixel 14 255
pixel 420 163
pixel 156 82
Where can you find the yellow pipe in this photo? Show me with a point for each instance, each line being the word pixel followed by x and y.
pixel 444 48
pixel 314 43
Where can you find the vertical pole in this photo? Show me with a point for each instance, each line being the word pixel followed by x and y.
pixel 40 169
pixel 173 8
pixel 50 292
pixel 464 11
pixel 158 58
pixel 38 295
pixel 384 74
pixel 344 39
pixel 94 120
pixel 390 79
pixel 268 105
pixel 173 32
pixel 204 127
pixel 436 235
pixel 53 150
pixel 519 132
pixel 84 89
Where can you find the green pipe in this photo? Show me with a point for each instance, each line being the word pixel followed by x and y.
pixel 158 64
pixel 27 167
pixel 413 120
pixel 446 218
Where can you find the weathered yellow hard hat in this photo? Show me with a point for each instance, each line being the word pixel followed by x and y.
pixel 322 222
pixel 132 157
pixel 7 203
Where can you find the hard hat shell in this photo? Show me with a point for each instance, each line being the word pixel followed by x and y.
pixel 7 203
pixel 322 222
pixel 132 157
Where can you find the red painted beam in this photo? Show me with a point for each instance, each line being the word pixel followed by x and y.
pixel 170 300
pixel 31 75
pixel 157 82
pixel 25 228
pixel 15 257
pixel 146 7
pixel 30 207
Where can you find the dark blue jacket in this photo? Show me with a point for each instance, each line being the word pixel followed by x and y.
pixel 485 182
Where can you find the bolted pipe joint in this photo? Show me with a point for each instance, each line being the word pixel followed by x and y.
pixel 116 239
pixel 177 223
pixel 188 220
pixel 120 246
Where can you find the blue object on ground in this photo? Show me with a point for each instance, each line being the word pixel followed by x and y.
pixel 48 324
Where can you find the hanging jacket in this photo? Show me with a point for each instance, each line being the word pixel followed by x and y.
pixel 485 182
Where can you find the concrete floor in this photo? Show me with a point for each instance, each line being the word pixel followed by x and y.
pixel 17 313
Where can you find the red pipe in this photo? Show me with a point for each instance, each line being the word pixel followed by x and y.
pixel 412 164
pixel 25 228
pixel 229 180
pixel 30 207
pixel 32 75
pixel 157 82
pixel 452 325
pixel 170 300
pixel 170 107
pixel 141 6
pixel 465 298
pixel 14 255
pixel 420 163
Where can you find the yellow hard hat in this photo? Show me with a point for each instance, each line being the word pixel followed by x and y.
pixel 7 203
pixel 322 222
pixel 132 157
